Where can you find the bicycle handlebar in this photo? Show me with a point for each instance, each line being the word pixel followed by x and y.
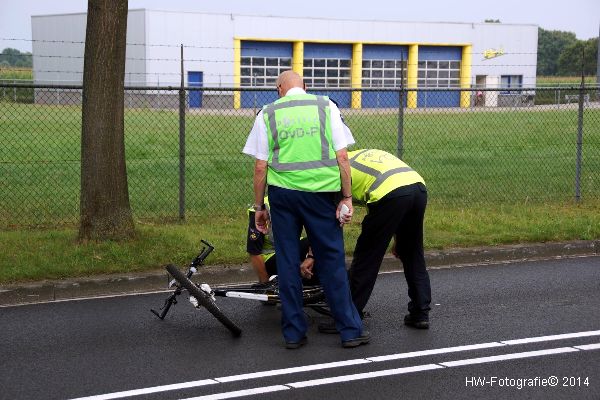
pixel 204 252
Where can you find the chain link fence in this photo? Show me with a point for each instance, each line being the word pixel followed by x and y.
pixel 473 147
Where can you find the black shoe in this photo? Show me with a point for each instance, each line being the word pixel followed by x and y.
pixel 296 345
pixel 419 323
pixel 327 327
pixel 364 338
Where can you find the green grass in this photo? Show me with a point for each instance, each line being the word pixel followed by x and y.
pixel 11 75
pixel 467 158
pixel 560 80
pixel 30 255
pixel 19 74
pixel 494 176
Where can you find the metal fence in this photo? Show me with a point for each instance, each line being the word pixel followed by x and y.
pixel 473 147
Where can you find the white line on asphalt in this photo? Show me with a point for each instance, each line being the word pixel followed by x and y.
pixel 551 337
pixel 396 371
pixel 435 351
pixel 498 263
pixel 594 346
pixel 241 393
pixel 150 390
pixel 292 370
pixel 366 375
pixel 512 356
pixel 337 364
pixel 104 296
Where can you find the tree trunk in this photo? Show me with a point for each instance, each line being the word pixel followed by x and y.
pixel 105 209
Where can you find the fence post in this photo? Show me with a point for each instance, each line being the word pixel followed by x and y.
pixel 579 134
pixel 182 143
pixel 400 144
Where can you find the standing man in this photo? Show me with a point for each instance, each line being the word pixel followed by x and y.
pixel 299 144
pixel 396 198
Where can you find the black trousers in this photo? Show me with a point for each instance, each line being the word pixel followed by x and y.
pixel 399 213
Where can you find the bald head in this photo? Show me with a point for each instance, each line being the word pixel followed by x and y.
pixel 287 80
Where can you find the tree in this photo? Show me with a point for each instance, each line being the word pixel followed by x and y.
pixel 105 209
pixel 569 62
pixel 550 46
pixel 13 57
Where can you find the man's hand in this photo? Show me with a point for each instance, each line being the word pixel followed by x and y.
pixel 306 268
pixel 345 219
pixel 262 220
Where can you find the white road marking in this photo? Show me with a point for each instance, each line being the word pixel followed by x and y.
pixel 337 364
pixel 594 346
pixel 435 351
pixel 552 337
pixel 512 356
pixel 398 371
pixel 150 390
pixel 104 296
pixel 366 375
pixel 241 393
pixel 292 370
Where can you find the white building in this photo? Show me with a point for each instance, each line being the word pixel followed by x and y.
pixel 229 50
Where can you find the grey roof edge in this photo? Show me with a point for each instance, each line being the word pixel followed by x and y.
pixel 157 280
pixel 306 17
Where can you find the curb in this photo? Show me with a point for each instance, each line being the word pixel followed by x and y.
pixel 154 281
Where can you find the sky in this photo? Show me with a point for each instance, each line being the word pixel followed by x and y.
pixel 579 16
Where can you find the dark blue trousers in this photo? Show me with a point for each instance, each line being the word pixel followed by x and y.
pixel 290 211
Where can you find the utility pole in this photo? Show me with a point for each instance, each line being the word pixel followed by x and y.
pixel 598 60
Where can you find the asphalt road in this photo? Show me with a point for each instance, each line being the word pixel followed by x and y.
pixel 115 348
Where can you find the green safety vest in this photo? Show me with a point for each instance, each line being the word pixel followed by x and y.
pixel 301 154
pixel 376 173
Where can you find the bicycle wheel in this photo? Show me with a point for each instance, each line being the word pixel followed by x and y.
pixel 204 299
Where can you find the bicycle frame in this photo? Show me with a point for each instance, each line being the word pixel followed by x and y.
pixel 204 296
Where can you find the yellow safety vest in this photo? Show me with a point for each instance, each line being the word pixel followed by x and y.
pixel 376 173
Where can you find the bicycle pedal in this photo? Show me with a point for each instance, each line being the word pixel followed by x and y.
pixel 194 302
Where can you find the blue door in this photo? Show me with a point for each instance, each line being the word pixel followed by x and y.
pixel 195 80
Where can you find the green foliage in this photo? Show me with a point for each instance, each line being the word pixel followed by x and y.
pixel 550 46
pixel 14 58
pixel 569 62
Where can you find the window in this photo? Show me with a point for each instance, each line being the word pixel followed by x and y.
pixel 262 71
pixel 390 70
pixel 335 70
pixel 510 82
pixel 438 74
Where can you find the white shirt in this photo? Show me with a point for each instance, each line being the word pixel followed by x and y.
pixel 257 144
